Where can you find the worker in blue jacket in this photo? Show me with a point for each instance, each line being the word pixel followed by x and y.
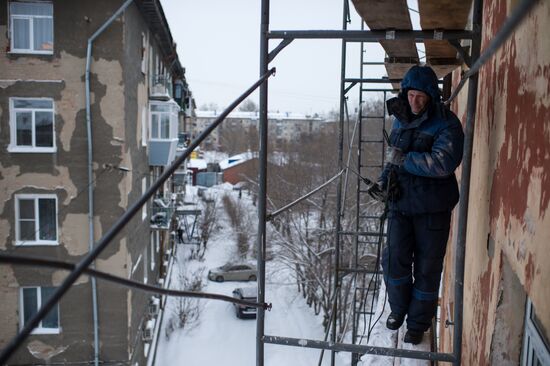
pixel 420 187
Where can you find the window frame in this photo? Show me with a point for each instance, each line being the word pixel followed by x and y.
pixel 31 18
pixel 146 265
pixel 39 329
pixel 37 241
pixel 172 110
pixel 534 343
pixel 143 190
pixel 152 247
pixel 13 147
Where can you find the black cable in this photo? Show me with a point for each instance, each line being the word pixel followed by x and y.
pixel 51 263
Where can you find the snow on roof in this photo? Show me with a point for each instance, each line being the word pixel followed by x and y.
pixel 237 159
pixel 197 163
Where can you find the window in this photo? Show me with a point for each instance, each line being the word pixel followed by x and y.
pixel 31 299
pixel 164 121
pixel 145 260
pixel 36 219
pixel 31 27
pixel 144 207
pixel 32 125
pixel 535 348
pixel 160 121
pixel 152 246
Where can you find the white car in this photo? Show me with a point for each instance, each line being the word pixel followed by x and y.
pixel 233 272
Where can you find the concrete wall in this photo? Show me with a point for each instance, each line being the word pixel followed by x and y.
pixel 507 253
pixel 119 90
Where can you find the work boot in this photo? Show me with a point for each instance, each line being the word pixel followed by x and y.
pixel 394 321
pixel 413 336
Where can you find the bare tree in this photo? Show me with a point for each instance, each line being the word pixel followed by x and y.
pixel 187 310
pixel 248 106
pixel 207 226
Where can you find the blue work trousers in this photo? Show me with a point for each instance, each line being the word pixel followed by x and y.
pixel 412 261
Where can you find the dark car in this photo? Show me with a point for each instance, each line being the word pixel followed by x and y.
pixel 233 272
pixel 248 294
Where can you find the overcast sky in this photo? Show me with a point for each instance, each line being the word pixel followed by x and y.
pixel 218 44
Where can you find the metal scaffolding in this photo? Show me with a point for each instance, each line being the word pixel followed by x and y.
pixel 266 57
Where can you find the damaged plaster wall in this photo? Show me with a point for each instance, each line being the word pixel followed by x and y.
pixel 61 77
pixel 508 219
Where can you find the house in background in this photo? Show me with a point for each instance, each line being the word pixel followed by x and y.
pixel 139 98
pixel 240 168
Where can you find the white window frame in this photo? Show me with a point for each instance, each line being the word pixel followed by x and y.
pixel 30 18
pixel 152 248
pixel 13 147
pixel 172 112
pixel 533 342
pixel 37 240
pixel 144 207
pixel 39 329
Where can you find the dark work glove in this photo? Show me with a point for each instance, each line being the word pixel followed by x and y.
pixel 394 156
pixel 376 192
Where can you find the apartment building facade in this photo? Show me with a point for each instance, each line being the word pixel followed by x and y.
pixel 59 137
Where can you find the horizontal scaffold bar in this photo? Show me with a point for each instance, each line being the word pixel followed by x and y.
pixel 371 36
pixel 355 348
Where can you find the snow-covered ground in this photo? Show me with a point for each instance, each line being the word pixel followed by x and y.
pixel 220 338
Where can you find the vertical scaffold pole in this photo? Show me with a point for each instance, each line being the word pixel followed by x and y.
pixel 336 279
pixel 465 186
pixel 262 194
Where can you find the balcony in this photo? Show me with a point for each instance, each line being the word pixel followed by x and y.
pixel 162 210
pixel 163 138
pixel 160 87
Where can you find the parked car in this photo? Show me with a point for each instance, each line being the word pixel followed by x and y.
pixel 233 272
pixel 248 294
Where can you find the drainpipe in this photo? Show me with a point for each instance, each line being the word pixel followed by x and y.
pixel 91 173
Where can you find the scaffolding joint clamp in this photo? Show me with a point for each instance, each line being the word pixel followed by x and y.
pixel 448 323
pixel 390 34
pixel 438 34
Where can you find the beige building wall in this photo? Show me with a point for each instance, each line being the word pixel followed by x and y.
pixel 507 255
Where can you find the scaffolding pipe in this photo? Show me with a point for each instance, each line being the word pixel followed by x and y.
pixel 262 182
pixel 336 277
pixel 520 12
pixel 370 36
pixel 95 310
pixel 307 195
pixel 354 348
pixel 460 248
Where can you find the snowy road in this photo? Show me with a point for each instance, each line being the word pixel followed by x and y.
pixel 222 339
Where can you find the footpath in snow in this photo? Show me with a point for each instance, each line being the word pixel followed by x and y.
pixel 220 338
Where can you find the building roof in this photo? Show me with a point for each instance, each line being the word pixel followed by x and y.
pixel 155 18
pixel 237 159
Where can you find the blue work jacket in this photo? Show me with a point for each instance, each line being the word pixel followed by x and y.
pixel 433 145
